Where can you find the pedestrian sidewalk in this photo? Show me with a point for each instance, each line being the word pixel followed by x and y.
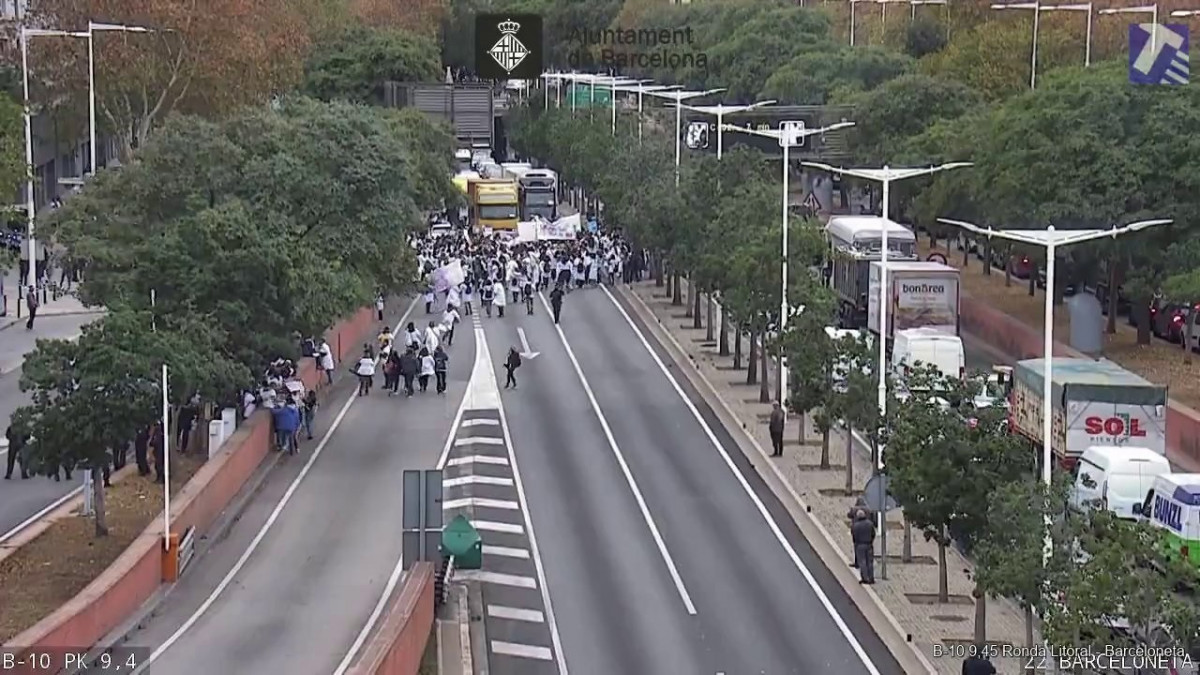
pixel 13 306
pixel 941 631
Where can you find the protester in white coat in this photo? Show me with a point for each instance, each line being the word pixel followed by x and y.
pixel 499 299
pixel 325 360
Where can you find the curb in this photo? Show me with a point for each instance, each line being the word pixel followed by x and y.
pixel 898 641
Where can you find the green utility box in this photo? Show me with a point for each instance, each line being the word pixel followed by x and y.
pixel 461 540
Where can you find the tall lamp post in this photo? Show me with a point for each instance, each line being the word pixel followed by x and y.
pixel 1081 7
pixel 886 176
pixel 1152 10
pixel 720 110
pixel 614 85
pixel 679 97
pixel 913 4
pixel 852 4
pixel 1037 10
pixel 91 36
pixel 27 113
pixel 1051 240
pixel 642 90
pixel 789 135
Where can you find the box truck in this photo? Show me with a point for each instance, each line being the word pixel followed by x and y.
pixel 920 295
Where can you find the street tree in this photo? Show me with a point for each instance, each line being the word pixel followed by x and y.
pixel 823 76
pixel 207 57
pixel 90 397
pixel 944 457
pixel 356 65
pixel 12 144
pixel 890 115
pixel 853 400
pixel 811 355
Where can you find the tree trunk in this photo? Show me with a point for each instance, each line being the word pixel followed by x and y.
pixel 1113 297
pixel 966 253
pixel 656 270
pixel 906 546
pixel 980 616
pixel 676 289
pixel 1033 277
pixel 689 311
pixel 849 460
pixel 987 257
pixel 802 418
pixel 709 310
pixel 697 322
pixel 1008 267
pixel 1142 307
pixel 825 449
pixel 764 391
pixel 1028 625
pixel 723 338
pixel 752 359
pixel 737 348
pixel 670 277
pixel 943 582
pixel 98 501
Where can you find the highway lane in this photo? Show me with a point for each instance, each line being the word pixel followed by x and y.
pixel 297 602
pixel 21 500
pixel 616 605
pixel 619 607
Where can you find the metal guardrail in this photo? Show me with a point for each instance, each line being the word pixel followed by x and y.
pixel 441 584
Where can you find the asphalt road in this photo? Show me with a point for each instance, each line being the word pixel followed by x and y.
pixel 22 499
pixel 658 559
pixel 293 599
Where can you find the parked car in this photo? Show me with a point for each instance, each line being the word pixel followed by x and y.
pixel 1020 266
pixel 1167 322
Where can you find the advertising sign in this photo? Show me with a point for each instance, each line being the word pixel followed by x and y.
pixel 917 301
pixel 1085 423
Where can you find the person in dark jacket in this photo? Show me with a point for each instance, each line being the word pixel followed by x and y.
pixel 287 422
pixel 510 367
pixel 410 365
pixel 440 364
pixel 862 533
pixel 391 373
pixel 309 408
pixel 16 452
pixel 141 446
pixel 775 427
pixel 978 665
pixel 556 298
pixel 860 504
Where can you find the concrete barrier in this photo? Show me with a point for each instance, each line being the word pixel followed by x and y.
pixel 134 576
pixel 1019 341
pixel 398 645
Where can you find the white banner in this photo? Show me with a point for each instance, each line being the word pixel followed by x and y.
pixel 447 276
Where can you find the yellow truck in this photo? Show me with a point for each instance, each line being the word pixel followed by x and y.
pixel 495 204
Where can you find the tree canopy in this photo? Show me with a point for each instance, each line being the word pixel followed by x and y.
pixel 354 66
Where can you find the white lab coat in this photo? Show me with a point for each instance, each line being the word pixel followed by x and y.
pixel 500 298
pixel 431 339
pixel 326 356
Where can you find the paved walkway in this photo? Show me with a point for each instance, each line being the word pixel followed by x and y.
pixel 910 587
pixel 13 310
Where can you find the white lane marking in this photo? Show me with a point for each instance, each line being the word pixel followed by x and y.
pixel 398 569
pixel 555 639
pixel 762 509
pixel 633 486
pixel 480 422
pixel 477 480
pixel 266 527
pixel 480 502
pixel 40 514
pixel 516 614
pixel 486 577
pixel 522 651
pixel 477 459
pixel 506 552
pixel 492 526
pixel 478 440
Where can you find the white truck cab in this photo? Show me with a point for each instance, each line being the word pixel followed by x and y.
pixel 1116 477
pixel 929 346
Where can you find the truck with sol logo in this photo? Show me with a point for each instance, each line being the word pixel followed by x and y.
pixel 1093 403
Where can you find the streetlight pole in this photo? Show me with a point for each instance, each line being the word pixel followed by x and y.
pixel 1051 240
pixel 720 111
pixel 1152 10
pixel 886 176
pixel 789 134
pixel 30 207
pixel 613 84
pixel 1037 10
pixel 94 26
pixel 679 97
pixel 852 4
pixel 912 4
pixel 1082 7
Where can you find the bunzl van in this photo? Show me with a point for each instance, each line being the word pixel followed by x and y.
pixel 1094 403
pixel 1173 506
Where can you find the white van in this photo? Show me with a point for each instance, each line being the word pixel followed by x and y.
pixel 930 346
pixel 1173 506
pixel 1120 477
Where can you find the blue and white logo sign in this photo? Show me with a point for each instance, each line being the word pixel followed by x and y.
pixel 1158 53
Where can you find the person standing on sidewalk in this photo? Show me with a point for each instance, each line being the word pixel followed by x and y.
pixel 325 360
pixel 31 303
pixel 862 533
pixel 16 452
pixel 775 427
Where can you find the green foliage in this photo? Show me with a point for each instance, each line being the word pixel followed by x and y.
pixel 354 66
pixel 12 145
pixel 816 77
pixel 924 36
pixel 889 117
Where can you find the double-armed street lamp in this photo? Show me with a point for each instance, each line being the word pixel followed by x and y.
pixel 642 89
pixel 620 84
pixel 1051 240
pixel 913 4
pixel 677 97
pixel 886 176
pixel 1037 8
pixel 720 110
pixel 1184 13
pixel 790 134
pixel 1152 10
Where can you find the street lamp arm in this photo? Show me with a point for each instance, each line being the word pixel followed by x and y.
pixel 1115 231
pixel 990 233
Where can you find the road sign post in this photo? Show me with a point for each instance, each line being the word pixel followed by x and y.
pixel 421 517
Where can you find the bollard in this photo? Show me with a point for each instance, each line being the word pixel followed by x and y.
pixel 341 354
pixel 44 300
pixel 4 311
pixel 170 559
pixel 18 305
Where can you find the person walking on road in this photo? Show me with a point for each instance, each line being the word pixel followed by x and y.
pixel 775 427
pixel 449 318
pixel 409 367
pixel 440 362
pixel 365 370
pixel 379 306
pixel 32 304
pixel 287 422
pixel 427 369
pixel 556 298
pixel 510 368
pixel 391 373
pixel 141 446
pixel 499 299
pixel 16 452
pixel 309 408
pixel 862 533
pixel 487 297
pixel 325 360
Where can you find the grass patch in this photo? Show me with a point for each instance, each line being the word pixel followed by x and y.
pixel 47 572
